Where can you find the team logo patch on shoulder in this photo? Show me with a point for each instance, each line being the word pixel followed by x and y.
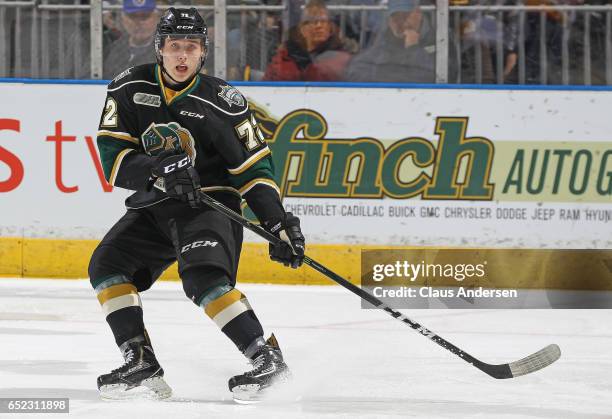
pixel 147 99
pixel 231 95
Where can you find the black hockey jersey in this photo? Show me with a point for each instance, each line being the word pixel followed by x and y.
pixel 211 121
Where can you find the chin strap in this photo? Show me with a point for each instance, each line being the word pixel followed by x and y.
pixel 163 69
pixel 178 84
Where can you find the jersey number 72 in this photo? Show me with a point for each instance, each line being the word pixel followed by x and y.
pixel 250 134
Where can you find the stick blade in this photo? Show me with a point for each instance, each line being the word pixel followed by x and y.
pixel 534 362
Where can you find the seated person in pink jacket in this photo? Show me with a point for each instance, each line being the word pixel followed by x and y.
pixel 314 51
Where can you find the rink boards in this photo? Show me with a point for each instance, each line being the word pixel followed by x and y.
pixel 361 168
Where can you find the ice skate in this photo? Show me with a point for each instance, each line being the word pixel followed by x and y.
pixel 269 372
pixel 141 377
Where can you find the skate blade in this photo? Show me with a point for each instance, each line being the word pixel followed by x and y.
pixel 280 392
pixel 248 394
pixel 154 388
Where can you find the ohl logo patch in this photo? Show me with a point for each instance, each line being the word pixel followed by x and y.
pixel 160 137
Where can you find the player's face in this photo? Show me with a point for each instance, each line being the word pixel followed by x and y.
pixel 182 57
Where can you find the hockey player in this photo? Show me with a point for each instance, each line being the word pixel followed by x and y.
pixel 166 132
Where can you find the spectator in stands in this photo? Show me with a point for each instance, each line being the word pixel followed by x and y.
pixel 360 26
pixel 400 53
pixel 599 37
pixel 111 28
pixel 549 72
pixel 314 51
pixel 252 43
pixel 486 54
pixel 139 21
pixel 510 41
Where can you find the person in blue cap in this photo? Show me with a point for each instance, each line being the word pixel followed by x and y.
pixel 400 53
pixel 139 20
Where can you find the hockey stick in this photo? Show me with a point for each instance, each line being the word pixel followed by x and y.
pixel 527 365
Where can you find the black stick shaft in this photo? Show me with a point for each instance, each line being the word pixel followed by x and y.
pixel 213 203
pixel 393 313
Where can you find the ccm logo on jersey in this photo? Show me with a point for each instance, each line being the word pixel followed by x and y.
pixel 199 243
pixel 192 114
pixel 177 165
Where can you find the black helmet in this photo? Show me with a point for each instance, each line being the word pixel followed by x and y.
pixel 186 23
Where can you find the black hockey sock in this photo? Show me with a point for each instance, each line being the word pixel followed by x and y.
pixel 126 324
pixel 235 317
pixel 123 309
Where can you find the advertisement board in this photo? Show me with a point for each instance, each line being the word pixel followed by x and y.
pixel 382 167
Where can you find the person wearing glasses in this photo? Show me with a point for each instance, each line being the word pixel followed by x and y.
pixel 314 51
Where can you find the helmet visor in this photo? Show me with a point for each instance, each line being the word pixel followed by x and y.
pixel 183 45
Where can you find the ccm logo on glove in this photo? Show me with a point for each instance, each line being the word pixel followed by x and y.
pixel 177 165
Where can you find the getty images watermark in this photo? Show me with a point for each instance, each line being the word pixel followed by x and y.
pixel 434 278
pixel 489 278
pixel 424 272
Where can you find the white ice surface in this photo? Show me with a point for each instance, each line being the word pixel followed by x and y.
pixel 348 362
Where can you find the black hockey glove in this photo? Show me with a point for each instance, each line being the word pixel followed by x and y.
pixel 181 180
pixel 290 252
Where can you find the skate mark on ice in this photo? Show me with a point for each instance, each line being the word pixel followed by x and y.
pixel 433 408
pixel 44 367
pixel 46 392
pixel 340 325
pixel 30 316
pixel 38 332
